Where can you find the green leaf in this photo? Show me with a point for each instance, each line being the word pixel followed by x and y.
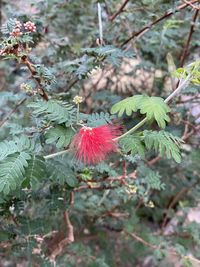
pixel 62 173
pixel 133 144
pixel 5 236
pixel 153 180
pixel 163 143
pixel 59 135
pixel 56 111
pixel 150 178
pixel 18 144
pixel 155 109
pixel 12 170
pixel 128 105
pixel 8 26
pixel 36 168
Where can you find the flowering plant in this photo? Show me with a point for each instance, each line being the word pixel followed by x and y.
pixel 105 135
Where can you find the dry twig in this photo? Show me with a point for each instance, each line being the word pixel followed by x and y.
pixel 7 117
pixel 120 10
pixel 155 247
pixel 64 242
pixel 190 4
pixel 186 48
pixel 41 91
pixel 149 26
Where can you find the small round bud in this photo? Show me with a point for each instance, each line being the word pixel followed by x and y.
pixel 132 189
pixel 78 99
pixel 150 204
pixel 26 87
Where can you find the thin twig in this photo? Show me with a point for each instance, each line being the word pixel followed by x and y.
pixel 120 10
pixel 140 240
pixel 56 154
pixel 7 117
pixel 154 160
pixel 178 89
pixel 149 26
pixel 190 4
pixel 186 48
pixel 155 247
pixel 72 84
pixel 96 187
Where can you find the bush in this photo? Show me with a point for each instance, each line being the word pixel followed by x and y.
pixel 99 133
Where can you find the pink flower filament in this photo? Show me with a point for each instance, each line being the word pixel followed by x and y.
pixel 92 145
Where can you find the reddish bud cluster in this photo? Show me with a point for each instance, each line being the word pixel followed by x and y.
pixel 18 24
pixel 30 26
pixel 16 32
pixel 92 145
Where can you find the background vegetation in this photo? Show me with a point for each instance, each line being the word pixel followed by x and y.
pixel 140 207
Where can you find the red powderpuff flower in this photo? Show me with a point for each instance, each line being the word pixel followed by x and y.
pixel 92 145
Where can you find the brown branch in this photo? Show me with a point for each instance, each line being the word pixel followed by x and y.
pixel 72 84
pixel 97 187
pixel 119 179
pixel 120 10
pixel 66 241
pixel 149 26
pixel 132 175
pixel 154 160
pixel 142 241
pixel 186 48
pixel 190 133
pixel 71 199
pixel 7 117
pixel 25 60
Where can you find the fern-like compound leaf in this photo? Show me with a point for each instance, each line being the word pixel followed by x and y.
pixel 127 106
pixel 61 173
pixel 60 135
pixel 163 143
pixel 12 170
pixel 18 144
pixel 155 109
pixel 56 111
pixel 36 168
pixel 133 144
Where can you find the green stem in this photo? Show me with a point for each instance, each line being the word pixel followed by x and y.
pixel 132 129
pixel 77 114
pixel 56 154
